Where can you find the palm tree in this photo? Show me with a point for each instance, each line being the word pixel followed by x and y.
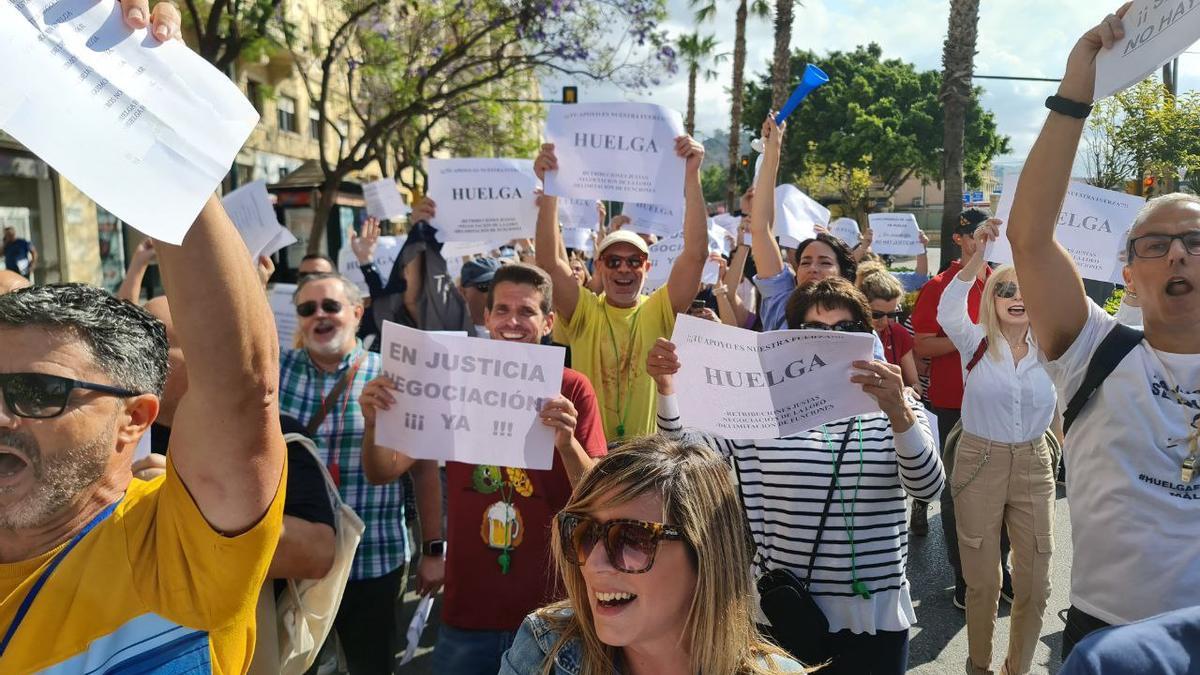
pixel 698 54
pixel 705 11
pixel 781 69
pixel 958 63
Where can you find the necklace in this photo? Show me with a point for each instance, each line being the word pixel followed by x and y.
pixel 627 369
pixel 856 586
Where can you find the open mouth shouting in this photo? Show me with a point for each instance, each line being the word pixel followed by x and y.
pixel 1177 286
pixel 13 467
pixel 324 329
pixel 609 604
pixel 1017 311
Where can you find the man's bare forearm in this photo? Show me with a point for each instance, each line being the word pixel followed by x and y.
pixel 427 480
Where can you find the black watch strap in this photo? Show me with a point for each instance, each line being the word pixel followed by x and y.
pixel 1066 106
pixel 434 547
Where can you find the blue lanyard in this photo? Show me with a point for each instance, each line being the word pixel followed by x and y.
pixel 37 585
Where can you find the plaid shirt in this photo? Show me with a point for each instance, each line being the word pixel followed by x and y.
pixel 302 389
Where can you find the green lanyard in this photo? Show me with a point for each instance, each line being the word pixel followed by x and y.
pixel 859 588
pixel 627 369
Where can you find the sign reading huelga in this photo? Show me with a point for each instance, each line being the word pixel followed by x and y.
pixel 483 199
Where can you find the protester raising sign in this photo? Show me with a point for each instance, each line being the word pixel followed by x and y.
pixel 468 400
pixel 387 249
pixel 1091 225
pixel 661 221
pixel 578 213
pixel 1156 31
pixel 622 152
pixel 250 209
pixel 796 215
pixel 384 201
pixel 740 384
pixel 481 199
pixel 895 234
pixel 845 229
pixel 662 258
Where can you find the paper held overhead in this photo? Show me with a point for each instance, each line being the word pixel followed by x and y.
pixel 1156 31
pixel 252 213
pixel 845 229
pixel 147 130
pixel 384 200
pixel 895 234
pixel 797 215
pixel 483 199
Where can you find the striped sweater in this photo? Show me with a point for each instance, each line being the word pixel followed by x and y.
pixel 784 483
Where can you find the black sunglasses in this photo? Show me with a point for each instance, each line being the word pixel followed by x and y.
pixel 841 326
pixel 40 396
pixel 635 262
pixel 1006 290
pixel 877 315
pixel 630 544
pixel 307 309
pixel 1158 245
pixel 483 287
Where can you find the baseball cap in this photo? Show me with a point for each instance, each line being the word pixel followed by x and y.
pixel 623 237
pixel 479 271
pixel 970 219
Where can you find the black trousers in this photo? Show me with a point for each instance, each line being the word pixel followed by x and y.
pixel 1079 625
pixel 947 418
pixel 366 623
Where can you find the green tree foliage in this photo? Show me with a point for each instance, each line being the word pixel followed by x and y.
pixel 712 180
pixel 226 30
pixel 884 110
pixel 1143 132
pixel 698 54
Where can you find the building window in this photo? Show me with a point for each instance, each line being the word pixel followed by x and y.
pixel 314 122
pixel 286 113
pixel 254 92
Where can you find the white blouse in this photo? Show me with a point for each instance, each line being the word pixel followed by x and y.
pixel 1002 401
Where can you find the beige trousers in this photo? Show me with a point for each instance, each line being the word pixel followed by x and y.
pixel 997 483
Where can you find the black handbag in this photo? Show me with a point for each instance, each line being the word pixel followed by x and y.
pixel 797 622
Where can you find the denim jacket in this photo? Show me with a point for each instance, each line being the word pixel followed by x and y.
pixel 536 639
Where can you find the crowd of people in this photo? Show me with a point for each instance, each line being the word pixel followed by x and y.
pixel 267 531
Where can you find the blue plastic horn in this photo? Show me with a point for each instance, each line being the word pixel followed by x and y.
pixel 813 78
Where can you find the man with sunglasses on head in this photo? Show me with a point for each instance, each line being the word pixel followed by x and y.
pixel 1133 452
pixel 610 334
pixel 320 384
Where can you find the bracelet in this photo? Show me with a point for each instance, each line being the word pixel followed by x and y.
pixel 1065 106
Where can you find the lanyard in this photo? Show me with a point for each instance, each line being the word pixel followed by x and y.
pixel 856 586
pixel 37 585
pixel 628 369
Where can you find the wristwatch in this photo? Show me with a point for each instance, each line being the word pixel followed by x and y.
pixel 1066 106
pixel 434 547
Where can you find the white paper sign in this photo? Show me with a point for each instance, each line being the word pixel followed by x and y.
pixel 249 207
pixel 623 152
pixel 727 221
pixel 741 384
pixel 283 239
pixel 1156 31
pixel 577 238
pixel 464 399
pixel 578 213
pixel 895 234
pixel 661 221
pixel 845 229
pixel 147 130
pixel 384 200
pixel 1091 225
pixel 387 249
pixel 483 198
pixel 796 215
pixel 662 258
pixel 286 320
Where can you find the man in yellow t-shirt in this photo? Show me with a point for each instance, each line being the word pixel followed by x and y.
pixel 104 573
pixel 611 334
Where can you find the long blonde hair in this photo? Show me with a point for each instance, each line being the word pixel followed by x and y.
pixel 987 308
pixel 699 498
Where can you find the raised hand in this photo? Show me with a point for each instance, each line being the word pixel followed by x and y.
pixel 425 210
pixel 546 161
pixel 661 364
pixel 692 151
pixel 1079 82
pixel 364 244
pixel 265 267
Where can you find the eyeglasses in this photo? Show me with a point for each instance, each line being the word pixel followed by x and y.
pixel 841 326
pixel 1006 290
pixel 631 544
pixel 877 315
pixel 483 287
pixel 41 396
pixel 635 262
pixel 1158 245
pixel 307 309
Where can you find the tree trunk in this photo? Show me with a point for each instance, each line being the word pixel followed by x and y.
pixel 781 74
pixel 735 108
pixel 958 61
pixel 321 211
pixel 690 123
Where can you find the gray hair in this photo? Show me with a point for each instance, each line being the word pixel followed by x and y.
pixel 353 293
pixel 1151 207
pixel 126 342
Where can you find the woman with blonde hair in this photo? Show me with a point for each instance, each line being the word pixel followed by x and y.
pixel 655 559
pixel 884 293
pixel 1003 472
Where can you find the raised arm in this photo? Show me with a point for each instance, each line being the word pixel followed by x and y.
pixel 684 281
pixel 1053 290
pixel 131 287
pixel 952 312
pixel 923 259
pixel 549 240
pixel 768 259
pixel 232 469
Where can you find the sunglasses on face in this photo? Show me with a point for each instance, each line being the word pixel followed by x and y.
pixel 307 309
pixel 841 326
pixel 1007 290
pixel 483 287
pixel 634 262
pixel 877 315
pixel 630 544
pixel 1158 245
pixel 39 396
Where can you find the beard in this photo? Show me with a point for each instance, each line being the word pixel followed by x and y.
pixel 58 479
